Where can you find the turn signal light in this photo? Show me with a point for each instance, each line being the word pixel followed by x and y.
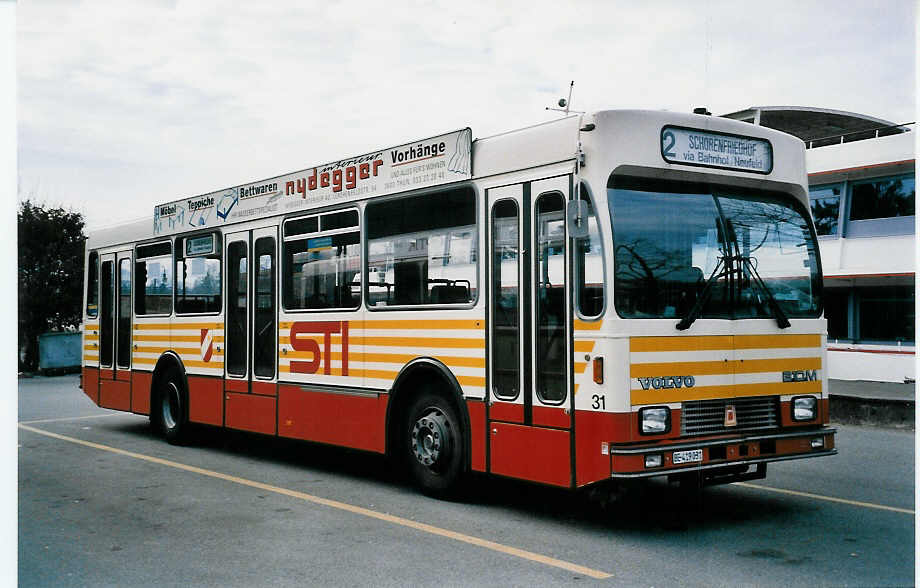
pixel 598 364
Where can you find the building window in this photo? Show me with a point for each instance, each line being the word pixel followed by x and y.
pixel 882 198
pixel 836 311
pixel 825 207
pixel 886 314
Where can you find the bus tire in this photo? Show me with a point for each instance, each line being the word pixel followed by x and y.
pixel 434 445
pixel 171 408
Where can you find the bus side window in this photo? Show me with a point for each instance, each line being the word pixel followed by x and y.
pixel 198 279
pixel 153 286
pixel 92 286
pixel 589 265
pixel 321 262
pixel 423 249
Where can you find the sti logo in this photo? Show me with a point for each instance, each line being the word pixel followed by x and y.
pixel 800 376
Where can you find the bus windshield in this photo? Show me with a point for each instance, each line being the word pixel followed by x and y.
pixel 685 250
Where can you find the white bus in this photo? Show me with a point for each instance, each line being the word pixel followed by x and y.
pixel 609 296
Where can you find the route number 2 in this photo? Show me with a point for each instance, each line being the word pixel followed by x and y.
pixel 666 147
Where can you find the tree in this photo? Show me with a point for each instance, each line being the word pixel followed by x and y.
pixel 51 242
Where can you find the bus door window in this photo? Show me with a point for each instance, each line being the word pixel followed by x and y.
pixel 237 307
pixel 505 305
pixel 589 265
pixel 107 324
pixel 549 297
pixel 123 348
pixel 264 341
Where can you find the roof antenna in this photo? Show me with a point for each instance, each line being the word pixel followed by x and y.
pixel 565 103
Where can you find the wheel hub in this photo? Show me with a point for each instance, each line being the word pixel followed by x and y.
pixel 431 439
pixel 170 406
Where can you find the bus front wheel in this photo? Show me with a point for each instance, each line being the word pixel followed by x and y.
pixel 434 445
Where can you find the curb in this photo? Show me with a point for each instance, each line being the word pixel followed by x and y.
pixel 886 412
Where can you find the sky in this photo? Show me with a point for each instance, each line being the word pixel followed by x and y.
pixel 124 105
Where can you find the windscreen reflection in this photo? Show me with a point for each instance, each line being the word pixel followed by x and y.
pixel 671 239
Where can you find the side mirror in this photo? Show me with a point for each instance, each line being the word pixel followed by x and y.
pixel 576 217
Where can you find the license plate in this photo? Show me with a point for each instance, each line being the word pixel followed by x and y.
pixel 692 456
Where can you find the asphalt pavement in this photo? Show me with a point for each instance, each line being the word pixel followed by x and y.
pixel 103 502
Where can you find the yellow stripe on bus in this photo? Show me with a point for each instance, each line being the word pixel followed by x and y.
pixel 176 326
pixel 402 342
pixel 454 343
pixel 178 338
pixel 401 359
pixel 652 396
pixel 705 368
pixel 580 325
pixel 776 341
pixel 419 324
pixel 722 342
pixel 584 346
pixel 387 375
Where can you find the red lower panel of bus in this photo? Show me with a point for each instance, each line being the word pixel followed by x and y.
pixel 265 388
pixel 477 412
pixel 91 383
pixel 547 416
pixel 531 453
pixel 507 412
pixel 140 392
pixel 115 395
pixel 205 401
pixel 592 463
pixel 338 419
pixel 236 385
pixel 250 412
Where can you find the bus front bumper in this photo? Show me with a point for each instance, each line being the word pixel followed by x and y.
pixel 722 460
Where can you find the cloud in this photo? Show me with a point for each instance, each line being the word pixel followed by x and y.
pixel 123 105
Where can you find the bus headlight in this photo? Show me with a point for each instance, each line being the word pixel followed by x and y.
pixel 804 408
pixel 654 420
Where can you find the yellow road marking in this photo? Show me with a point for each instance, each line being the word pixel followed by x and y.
pixel 826 498
pixel 77 418
pixel 425 528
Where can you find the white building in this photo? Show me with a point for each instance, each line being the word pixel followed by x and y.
pixel 861 172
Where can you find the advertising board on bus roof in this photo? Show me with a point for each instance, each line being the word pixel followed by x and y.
pixel 430 162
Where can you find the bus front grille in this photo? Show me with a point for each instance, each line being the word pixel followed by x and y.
pixel 703 417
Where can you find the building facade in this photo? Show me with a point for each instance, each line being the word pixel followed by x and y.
pixel 861 173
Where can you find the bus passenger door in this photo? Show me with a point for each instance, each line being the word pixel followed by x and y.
pixel 530 417
pixel 115 337
pixel 251 331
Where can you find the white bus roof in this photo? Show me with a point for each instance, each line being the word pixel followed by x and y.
pixel 444 159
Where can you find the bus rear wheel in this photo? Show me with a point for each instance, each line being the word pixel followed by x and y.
pixel 434 445
pixel 170 410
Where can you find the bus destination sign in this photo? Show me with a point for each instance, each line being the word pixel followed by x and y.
pixel 421 164
pixel 711 149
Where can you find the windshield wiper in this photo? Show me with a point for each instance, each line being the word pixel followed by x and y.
pixel 781 319
pixel 730 264
pixel 701 300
